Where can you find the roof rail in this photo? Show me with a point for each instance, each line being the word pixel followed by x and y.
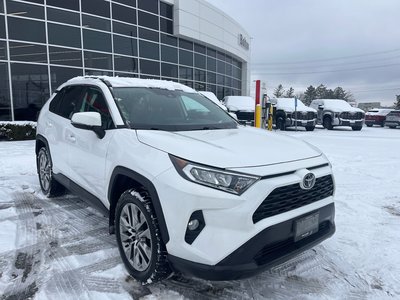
pixel 106 82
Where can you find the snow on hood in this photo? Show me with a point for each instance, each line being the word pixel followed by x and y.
pixel 340 106
pixel 288 104
pixel 242 103
pixel 229 148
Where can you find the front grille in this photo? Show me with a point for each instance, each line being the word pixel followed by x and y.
pixel 290 197
pixel 351 116
pixel 307 116
pixel 244 115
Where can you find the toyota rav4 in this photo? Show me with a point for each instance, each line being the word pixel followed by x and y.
pixel 184 186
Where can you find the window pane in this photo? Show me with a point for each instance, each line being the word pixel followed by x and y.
pixel 59 75
pixel 149 67
pixel 148 34
pixel 211 77
pixel 28 52
pixel 64 35
pixel 220 67
pixel 96 23
pixel 95 40
pixel 25 10
pixel 94 101
pixel 3 50
pixel 200 48
pixel 220 55
pixel 148 20
pixel 211 52
pixel 199 61
pixel 169 70
pixel 5 104
pixel 149 5
pixel 97 60
pixel 36 1
pixel 1 7
pixel 186 73
pixel 166 26
pixel 125 64
pixel 30 90
pixel 199 75
pixel 211 64
pixel 98 73
pixel 169 40
pixel 121 28
pixel 123 13
pixel 71 101
pixel 127 2
pixel 70 4
pixel 220 79
pixel 169 54
pixel 64 56
pixel 62 16
pixel 185 44
pixel 228 69
pixel 96 7
pixel 149 50
pixel 2 28
pixel 166 10
pixel 26 30
pixel 185 57
pixel 125 45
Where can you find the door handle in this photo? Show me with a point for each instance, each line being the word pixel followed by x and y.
pixel 72 138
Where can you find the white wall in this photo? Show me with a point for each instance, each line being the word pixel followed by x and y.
pixel 201 21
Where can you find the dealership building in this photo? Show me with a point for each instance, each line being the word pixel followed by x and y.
pixel 43 43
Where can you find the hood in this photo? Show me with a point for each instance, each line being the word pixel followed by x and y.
pixel 229 148
pixel 343 109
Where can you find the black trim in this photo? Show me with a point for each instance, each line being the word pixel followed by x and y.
pixel 277 175
pixel 82 193
pixel 270 247
pixel 319 166
pixel 98 130
pixel 191 235
pixel 153 195
pixel 42 139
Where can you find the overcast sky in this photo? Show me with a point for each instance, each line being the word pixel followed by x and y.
pixel 354 44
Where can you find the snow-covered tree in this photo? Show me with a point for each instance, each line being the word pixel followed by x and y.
pixel 290 93
pixel 320 92
pixel 339 93
pixel 309 95
pixel 279 91
pixel 397 103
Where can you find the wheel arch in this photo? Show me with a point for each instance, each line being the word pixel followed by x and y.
pixel 122 179
pixel 41 141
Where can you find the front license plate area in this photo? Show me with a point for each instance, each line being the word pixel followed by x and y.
pixel 306 226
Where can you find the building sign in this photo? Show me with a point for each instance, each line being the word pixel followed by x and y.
pixel 243 42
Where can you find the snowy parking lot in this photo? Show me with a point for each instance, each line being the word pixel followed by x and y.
pixel 60 248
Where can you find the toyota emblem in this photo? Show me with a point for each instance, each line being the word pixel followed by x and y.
pixel 308 181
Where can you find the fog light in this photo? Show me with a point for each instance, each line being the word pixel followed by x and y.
pixel 193 224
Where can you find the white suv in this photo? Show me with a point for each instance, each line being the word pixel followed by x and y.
pixel 185 187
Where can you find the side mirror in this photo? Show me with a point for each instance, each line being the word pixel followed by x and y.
pixel 88 121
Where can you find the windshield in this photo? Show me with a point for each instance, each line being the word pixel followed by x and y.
pixel 337 104
pixel 170 110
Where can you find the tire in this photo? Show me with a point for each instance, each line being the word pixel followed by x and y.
pixel 356 128
pixel 310 128
pixel 139 241
pixel 50 187
pixel 280 123
pixel 369 125
pixel 327 123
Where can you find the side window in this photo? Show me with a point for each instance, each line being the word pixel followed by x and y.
pixel 55 102
pixel 94 101
pixel 71 101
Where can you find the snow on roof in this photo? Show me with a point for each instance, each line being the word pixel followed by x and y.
pixel 136 82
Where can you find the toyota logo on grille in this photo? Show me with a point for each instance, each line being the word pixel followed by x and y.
pixel 308 181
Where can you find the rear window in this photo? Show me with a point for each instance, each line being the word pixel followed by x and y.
pixel 394 113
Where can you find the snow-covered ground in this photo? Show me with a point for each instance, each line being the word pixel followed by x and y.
pixel 60 248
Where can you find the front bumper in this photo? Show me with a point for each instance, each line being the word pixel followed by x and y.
pixel 272 246
pixel 301 123
pixel 228 218
pixel 351 123
pixel 373 122
pixel 392 123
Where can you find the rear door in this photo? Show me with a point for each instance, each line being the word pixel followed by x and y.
pixel 87 152
pixel 60 109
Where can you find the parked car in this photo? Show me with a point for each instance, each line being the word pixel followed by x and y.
pixel 393 119
pixel 376 116
pixel 334 112
pixel 285 115
pixel 184 186
pixel 242 106
pixel 213 98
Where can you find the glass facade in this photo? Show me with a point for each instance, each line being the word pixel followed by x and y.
pixel 49 42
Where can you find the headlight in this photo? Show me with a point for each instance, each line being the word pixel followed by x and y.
pixel 235 183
